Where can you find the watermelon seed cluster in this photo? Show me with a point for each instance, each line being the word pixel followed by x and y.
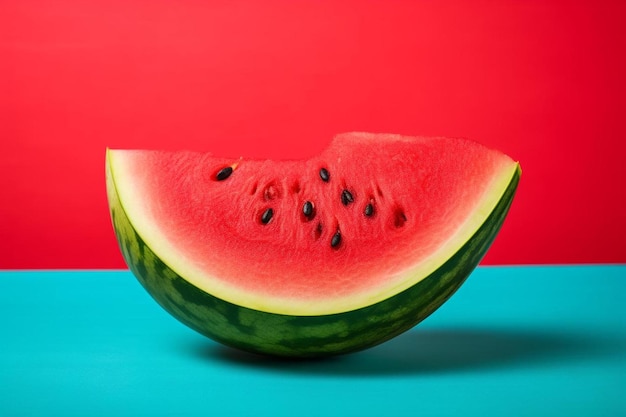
pixel 346 198
pixel 308 208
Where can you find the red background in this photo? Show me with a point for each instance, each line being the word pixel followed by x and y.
pixel 541 80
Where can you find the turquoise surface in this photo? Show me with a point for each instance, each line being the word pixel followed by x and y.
pixel 514 341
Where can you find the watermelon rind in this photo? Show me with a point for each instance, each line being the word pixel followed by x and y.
pixel 302 335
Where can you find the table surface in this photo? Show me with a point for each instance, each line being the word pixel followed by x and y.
pixel 514 341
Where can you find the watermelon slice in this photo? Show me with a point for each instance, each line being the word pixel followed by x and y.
pixel 315 257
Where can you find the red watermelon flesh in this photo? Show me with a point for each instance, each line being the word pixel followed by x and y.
pixel 410 204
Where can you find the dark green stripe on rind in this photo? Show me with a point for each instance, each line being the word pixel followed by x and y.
pixel 302 336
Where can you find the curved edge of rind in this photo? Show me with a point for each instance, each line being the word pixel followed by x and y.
pixel 301 336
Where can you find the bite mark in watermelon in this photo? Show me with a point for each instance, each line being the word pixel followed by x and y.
pixel 315 257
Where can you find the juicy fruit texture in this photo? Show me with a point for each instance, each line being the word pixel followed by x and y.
pixel 307 258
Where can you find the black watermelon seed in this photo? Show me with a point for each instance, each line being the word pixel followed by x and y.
pixel 267 216
pixel 223 173
pixel 307 210
pixel 324 175
pixel 369 210
pixel 346 197
pixel 335 241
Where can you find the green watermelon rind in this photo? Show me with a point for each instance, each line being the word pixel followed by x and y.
pixel 302 336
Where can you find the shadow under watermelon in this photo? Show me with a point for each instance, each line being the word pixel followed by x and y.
pixel 436 351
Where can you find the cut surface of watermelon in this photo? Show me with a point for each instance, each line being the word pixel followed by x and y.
pixel 369 218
